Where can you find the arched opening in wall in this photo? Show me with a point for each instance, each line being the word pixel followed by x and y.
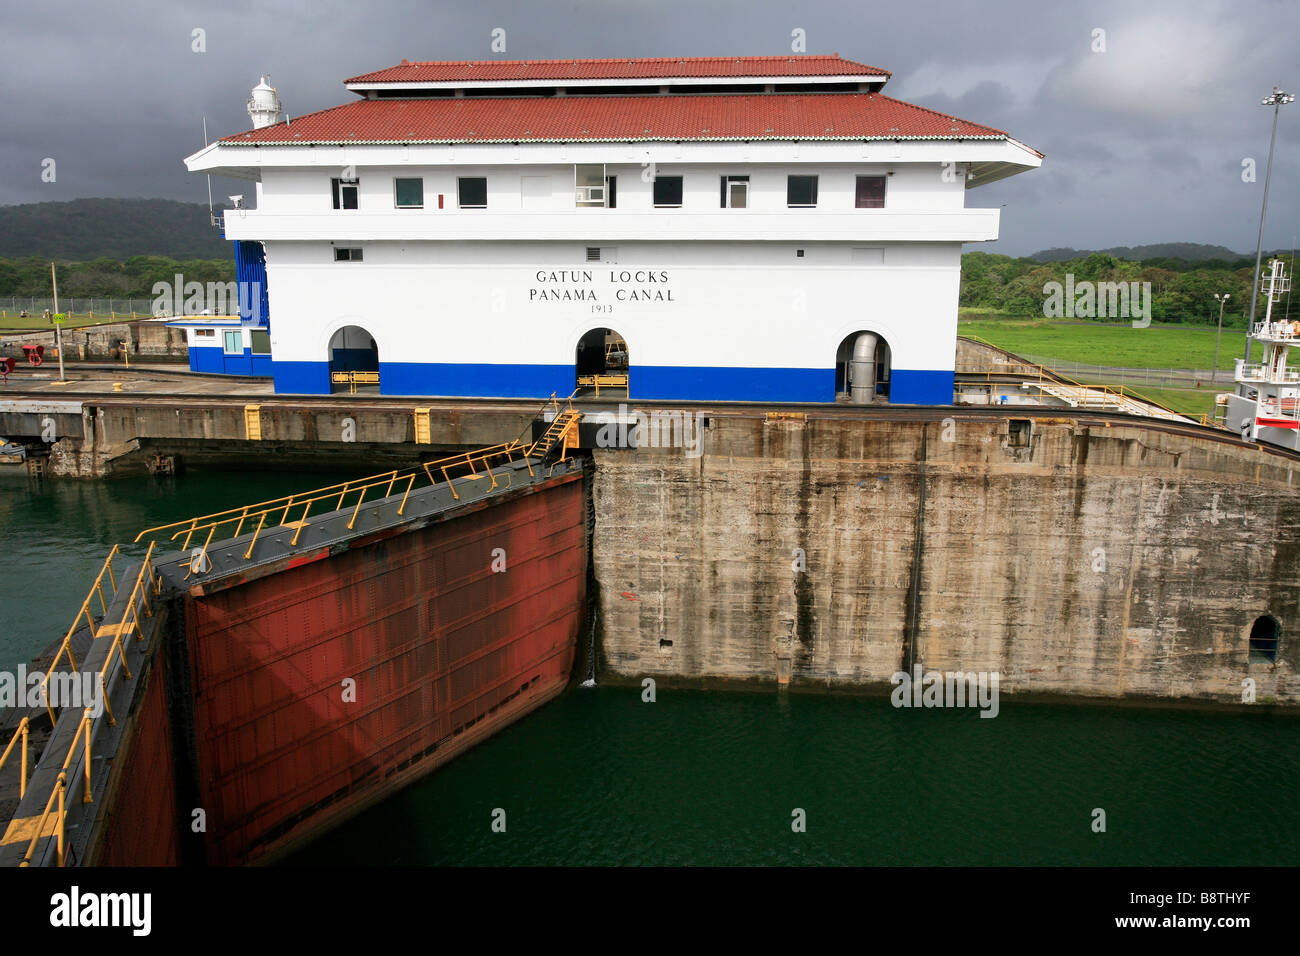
pixel 862 369
pixel 354 360
pixel 1264 635
pixel 601 362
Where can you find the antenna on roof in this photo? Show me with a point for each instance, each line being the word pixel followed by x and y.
pixel 212 218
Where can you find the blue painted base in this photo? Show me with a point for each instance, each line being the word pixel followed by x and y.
pixel 648 383
pixel 218 361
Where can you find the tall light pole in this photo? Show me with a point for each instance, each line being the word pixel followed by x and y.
pixel 1276 99
pixel 1222 300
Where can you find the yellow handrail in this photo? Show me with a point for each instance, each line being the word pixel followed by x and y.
pixel 22 775
pixel 145 581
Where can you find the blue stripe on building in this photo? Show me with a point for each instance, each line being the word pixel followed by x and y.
pixel 648 383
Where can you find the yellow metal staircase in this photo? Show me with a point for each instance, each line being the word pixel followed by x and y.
pixel 562 431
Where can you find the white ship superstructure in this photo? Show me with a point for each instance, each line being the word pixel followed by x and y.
pixel 1266 403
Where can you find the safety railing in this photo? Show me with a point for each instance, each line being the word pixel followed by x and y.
pixel 1265 373
pixel 353 379
pixel 613 380
pixel 1055 382
pixel 53 822
pixel 290 511
pixel 293 511
pixel 59 793
pixel 20 736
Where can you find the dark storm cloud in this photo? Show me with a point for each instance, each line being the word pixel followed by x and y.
pixel 1144 142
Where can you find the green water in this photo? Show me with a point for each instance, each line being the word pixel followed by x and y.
pixel 697 777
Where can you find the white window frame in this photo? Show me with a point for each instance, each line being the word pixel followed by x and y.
pixel 418 179
pixel 225 341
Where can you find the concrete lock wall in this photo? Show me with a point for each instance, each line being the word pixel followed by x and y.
pixel 1095 560
pixel 147 340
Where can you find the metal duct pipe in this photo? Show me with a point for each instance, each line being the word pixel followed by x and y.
pixel 862 369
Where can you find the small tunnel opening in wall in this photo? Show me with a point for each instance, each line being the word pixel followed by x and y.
pixel 1019 431
pixel 664 642
pixel 1263 639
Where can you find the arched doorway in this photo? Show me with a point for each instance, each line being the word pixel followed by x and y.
pixel 601 361
pixel 862 369
pixel 1264 634
pixel 353 349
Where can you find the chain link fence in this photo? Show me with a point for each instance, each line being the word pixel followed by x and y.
pixel 1125 375
pixel 35 306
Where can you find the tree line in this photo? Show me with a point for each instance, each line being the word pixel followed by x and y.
pixel 1181 291
pixel 107 278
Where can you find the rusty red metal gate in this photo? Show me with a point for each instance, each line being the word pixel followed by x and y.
pixel 324 687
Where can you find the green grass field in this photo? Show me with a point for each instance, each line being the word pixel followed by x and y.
pixel 1158 346
pixel 36 321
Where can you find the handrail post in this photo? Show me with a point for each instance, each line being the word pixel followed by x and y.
pixel 87 796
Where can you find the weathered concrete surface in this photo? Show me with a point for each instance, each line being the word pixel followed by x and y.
pixel 977 358
pixel 98 438
pixel 1108 561
pixel 148 339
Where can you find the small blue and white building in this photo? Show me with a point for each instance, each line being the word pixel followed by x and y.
pixel 749 228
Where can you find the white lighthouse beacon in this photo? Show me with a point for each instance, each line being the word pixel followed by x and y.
pixel 264 105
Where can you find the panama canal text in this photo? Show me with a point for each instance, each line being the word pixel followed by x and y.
pixel 575 285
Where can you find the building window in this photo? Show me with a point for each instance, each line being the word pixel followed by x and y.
pixel 611 192
pixel 668 191
pixel 234 342
pixel 345 193
pixel 347 255
pixel 801 191
pixel 408 193
pixel 208 333
pixel 735 192
pixel 870 193
pixel 471 192
pixel 589 184
pixel 261 342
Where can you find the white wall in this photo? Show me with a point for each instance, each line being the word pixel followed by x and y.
pixel 737 304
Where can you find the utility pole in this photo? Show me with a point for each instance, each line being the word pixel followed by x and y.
pixel 1276 99
pixel 58 323
pixel 1223 300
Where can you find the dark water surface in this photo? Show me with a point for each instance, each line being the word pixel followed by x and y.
pixel 700 777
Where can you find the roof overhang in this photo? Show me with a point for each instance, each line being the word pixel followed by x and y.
pixel 775 81
pixel 212 158
pixel 1020 158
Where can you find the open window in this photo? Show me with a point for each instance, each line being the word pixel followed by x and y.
pixel 346 192
pixel 735 192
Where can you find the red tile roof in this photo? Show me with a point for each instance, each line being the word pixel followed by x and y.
pixel 637 68
pixel 758 116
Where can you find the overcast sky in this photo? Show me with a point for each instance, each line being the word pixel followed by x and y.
pixel 1144 141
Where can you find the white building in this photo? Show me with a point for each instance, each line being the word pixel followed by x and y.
pixel 740 226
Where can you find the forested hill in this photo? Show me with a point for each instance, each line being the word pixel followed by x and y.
pixel 84 229
pixel 1187 251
